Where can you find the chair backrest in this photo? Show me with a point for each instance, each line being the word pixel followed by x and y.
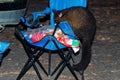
pixel 62 4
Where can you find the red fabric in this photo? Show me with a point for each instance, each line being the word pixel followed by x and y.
pixel 37 36
pixel 65 41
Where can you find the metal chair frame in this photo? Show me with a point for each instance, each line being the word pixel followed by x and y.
pixel 34 52
pixel 34 55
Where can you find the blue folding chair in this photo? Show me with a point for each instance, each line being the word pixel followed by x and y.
pixel 48 43
pixel 3 47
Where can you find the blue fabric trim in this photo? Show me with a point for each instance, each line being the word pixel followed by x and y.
pixel 3 47
pixel 62 4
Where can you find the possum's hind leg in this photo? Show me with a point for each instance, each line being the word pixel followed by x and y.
pixel 86 57
pixel 86 53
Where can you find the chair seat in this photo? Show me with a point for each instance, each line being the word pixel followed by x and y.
pixel 49 41
pixel 50 45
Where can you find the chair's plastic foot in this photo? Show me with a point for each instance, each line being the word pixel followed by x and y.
pixel 82 74
pixel 49 76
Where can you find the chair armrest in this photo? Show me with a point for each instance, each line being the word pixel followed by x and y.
pixel 31 18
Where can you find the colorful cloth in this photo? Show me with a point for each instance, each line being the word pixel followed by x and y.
pixel 39 33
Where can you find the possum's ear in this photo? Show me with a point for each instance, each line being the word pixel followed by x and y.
pixel 60 14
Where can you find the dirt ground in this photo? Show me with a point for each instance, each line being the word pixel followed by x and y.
pixel 105 64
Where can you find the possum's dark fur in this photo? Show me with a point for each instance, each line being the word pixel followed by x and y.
pixel 84 26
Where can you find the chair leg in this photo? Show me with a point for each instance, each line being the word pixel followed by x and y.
pixel 74 62
pixel 31 62
pixel 71 70
pixel 65 62
pixel 58 66
pixel 60 71
pixel 37 71
pixel 28 65
pixel 82 75
pixel 24 70
pixel 49 64
pixel 38 62
pixel 63 67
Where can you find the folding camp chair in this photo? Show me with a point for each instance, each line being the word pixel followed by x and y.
pixel 48 43
pixel 3 47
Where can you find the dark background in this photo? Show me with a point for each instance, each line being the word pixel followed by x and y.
pixel 105 2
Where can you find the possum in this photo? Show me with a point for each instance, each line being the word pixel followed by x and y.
pixel 83 24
